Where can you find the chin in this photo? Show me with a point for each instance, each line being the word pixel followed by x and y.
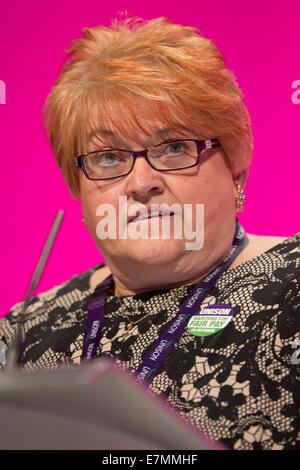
pixel 152 251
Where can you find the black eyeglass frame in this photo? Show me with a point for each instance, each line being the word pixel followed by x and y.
pixel 201 145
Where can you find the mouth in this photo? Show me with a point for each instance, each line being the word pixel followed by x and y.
pixel 140 217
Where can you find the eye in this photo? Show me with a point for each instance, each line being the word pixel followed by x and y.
pixel 170 149
pixel 108 158
pixel 175 147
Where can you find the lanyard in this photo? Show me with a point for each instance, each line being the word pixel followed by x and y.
pixel 162 347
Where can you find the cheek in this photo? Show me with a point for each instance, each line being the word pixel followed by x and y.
pixel 89 200
pixel 214 189
pixel 220 198
pixel 85 199
pixel 97 204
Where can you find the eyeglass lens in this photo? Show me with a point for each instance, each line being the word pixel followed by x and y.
pixel 167 156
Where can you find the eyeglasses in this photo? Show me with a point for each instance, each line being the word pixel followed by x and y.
pixel 171 155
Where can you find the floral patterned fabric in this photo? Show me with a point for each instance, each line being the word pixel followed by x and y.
pixel 239 386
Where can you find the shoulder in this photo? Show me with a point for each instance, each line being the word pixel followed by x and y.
pixel 63 295
pixel 50 311
pixel 287 248
pixel 262 243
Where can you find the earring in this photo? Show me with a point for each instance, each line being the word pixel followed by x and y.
pixel 82 220
pixel 239 198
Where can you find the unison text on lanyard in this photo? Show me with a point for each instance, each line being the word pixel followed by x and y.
pixel 162 347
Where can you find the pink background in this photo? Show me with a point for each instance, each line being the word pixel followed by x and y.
pixel 260 41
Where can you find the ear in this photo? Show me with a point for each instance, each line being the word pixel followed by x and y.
pixel 240 177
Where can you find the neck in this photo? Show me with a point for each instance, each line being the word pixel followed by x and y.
pixel 121 290
pixel 168 275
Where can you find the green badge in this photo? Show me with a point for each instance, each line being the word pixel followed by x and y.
pixel 210 320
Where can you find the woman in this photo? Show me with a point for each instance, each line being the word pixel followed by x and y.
pixel 163 91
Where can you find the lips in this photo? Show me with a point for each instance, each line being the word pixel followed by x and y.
pixel 143 215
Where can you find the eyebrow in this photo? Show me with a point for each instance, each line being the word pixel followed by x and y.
pixel 161 133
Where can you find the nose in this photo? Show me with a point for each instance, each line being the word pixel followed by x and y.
pixel 143 180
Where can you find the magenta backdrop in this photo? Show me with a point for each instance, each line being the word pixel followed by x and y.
pixel 260 41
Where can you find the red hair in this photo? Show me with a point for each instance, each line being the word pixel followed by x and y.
pixel 169 66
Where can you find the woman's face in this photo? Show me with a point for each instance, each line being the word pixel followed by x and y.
pixel 211 184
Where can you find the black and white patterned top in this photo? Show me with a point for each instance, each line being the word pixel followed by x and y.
pixel 239 386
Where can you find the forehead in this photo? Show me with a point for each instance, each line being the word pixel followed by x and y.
pixel 159 132
pixel 137 121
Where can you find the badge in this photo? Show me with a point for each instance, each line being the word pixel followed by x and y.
pixel 210 320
